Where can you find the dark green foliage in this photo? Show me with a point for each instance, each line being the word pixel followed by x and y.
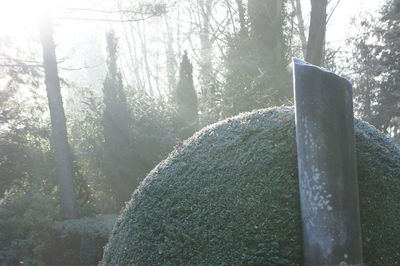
pixel 378 63
pixel 25 228
pixel 152 138
pixel 137 131
pixel 30 235
pixel 229 196
pixel 99 226
pixel 25 158
pixel 153 132
pixel 87 142
pixel 88 235
pixel 186 100
pixel 24 138
pixel 379 181
pixel 118 144
pixel 256 74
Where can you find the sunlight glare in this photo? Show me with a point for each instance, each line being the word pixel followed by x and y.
pixel 18 15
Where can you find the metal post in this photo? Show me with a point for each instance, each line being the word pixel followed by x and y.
pixel 327 167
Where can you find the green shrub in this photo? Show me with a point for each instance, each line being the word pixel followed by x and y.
pixel 229 196
pixel 25 228
pixel 87 236
pixel 31 235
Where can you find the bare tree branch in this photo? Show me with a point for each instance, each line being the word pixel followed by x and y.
pixel 300 25
pixel 332 11
pixel 106 20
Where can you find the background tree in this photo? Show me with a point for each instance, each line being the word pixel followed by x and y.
pixel 186 100
pixel 256 74
pixel 299 27
pixel 118 145
pixel 377 66
pixel 208 86
pixel 137 131
pixel 316 32
pixel 62 153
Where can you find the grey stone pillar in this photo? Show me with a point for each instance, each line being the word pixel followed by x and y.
pixel 327 167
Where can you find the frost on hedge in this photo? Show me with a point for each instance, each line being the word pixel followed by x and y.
pixel 229 196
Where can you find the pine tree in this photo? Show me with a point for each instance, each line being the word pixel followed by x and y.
pixel 118 143
pixel 186 100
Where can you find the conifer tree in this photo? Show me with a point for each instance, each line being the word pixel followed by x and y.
pixel 118 143
pixel 186 100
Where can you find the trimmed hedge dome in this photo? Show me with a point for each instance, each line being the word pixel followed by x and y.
pixel 229 196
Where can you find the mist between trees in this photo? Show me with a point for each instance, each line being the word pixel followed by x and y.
pixel 143 76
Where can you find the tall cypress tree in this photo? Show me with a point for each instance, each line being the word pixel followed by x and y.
pixel 186 100
pixel 118 143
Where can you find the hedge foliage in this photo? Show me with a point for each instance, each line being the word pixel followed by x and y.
pixel 26 236
pixel 229 196
pixel 31 235
pixel 86 238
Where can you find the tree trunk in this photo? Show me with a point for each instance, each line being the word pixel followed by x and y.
pixel 206 62
pixel 62 153
pixel 300 26
pixel 171 62
pixel 242 20
pixel 316 34
pixel 269 48
pixel 266 28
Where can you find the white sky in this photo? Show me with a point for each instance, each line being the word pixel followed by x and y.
pixel 17 15
pixel 339 24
